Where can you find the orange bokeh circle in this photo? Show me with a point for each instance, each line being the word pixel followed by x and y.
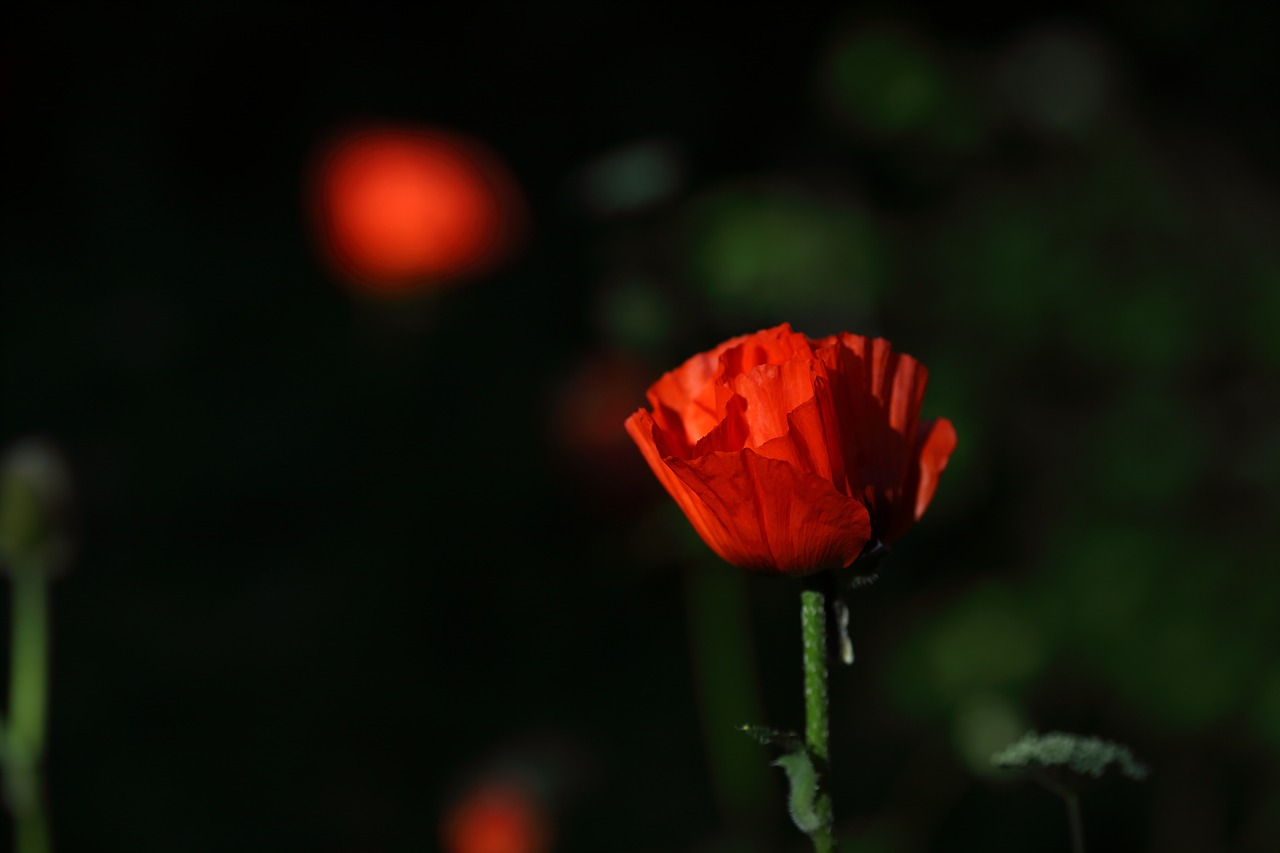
pixel 405 210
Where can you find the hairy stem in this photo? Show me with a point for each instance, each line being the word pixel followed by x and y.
pixel 813 623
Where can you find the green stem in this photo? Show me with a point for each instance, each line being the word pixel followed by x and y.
pixel 813 624
pixel 28 692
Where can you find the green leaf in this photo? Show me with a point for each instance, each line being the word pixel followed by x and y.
pixel 1087 756
pixel 809 805
pixel 810 808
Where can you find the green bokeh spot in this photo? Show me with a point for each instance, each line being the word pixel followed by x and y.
pixel 882 81
pixel 1009 265
pixel 635 315
pixel 982 725
pixel 986 641
pixel 1145 317
pixel 1266 709
pixel 985 644
pixel 776 251
pixel 1100 581
pixel 1147 451
pixel 1264 320
pixel 1164 623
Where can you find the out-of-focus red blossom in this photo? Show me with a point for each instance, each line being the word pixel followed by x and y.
pixel 592 398
pixel 402 210
pixel 496 818
pixel 790 454
pixel 583 425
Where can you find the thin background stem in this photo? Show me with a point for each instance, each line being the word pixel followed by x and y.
pixel 1077 825
pixel 1072 801
pixel 28 694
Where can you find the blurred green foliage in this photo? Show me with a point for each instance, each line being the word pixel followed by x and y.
pixel 773 250
pixel 884 81
pixel 1104 339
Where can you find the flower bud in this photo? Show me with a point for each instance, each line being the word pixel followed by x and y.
pixel 35 496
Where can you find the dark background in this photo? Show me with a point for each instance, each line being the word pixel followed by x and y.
pixel 340 557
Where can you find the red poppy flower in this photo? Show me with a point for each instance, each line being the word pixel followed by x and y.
pixel 790 454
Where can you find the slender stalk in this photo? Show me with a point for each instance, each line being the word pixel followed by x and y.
pixel 813 624
pixel 28 692
pixel 1072 801
pixel 1073 817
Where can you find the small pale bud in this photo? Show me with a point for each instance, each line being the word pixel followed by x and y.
pixel 35 497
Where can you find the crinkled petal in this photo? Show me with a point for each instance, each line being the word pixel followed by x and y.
pixel 773 391
pixel 771 346
pixel 685 399
pixel 648 437
pixel 732 434
pixel 690 401
pixel 763 514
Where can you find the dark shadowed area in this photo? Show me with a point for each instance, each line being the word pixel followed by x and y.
pixel 360 571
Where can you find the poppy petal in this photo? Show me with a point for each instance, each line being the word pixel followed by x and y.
pixel 876 394
pixel 767 515
pixel 790 418
pixel 805 445
pixel 938 442
pixel 772 346
pixel 773 391
pixel 651 442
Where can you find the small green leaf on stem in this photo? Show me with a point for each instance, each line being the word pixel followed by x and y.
pixel 810 808
pixel 809 805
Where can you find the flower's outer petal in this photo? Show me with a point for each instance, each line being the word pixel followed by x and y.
pixel 935 443
pixel 765 515
pixel 684 400
pixel 649 438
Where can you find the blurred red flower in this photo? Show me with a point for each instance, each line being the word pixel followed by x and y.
pixel 788 454
pixel 400 210
pixel 496 818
